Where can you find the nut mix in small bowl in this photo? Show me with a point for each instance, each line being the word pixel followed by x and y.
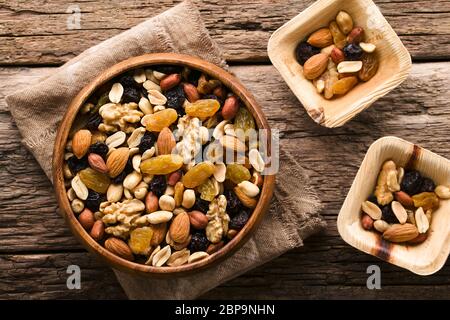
pixel 398 208
pixel 338 57
pixel 159 166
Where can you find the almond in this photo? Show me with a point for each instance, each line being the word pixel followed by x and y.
pixel 191 92
pixel 315 66
pixel 170 81
pixel 180 227
pixel 117 161
pixel 119 248
pixel 337 55
pixel 98 230
pixel 97 163
pixel 159 233
pixel 232 143
pixel 198 219
pixel 404 199
pixel 151 202
pixel 166 142
pixel 401 232
pixel 246 200
pixel 86 219
pixel 321 38
pixel 230 108
pixel 81 142
pixel 356 35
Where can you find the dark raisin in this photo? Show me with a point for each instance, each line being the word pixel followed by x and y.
pixel 199 242
pixel 158 185
pixel 234 205
pixel 201 205
pixel 304 51
pixel 99 148
pixel 127 80
pixel 353 51
pixel 167 69
pixel 193 77
pixel 373 199
pixel 76 164
pixel 147 141
pixel 239 220
pixel 388 214
pixel 93 200
pixel 119 179
pixel 94 121
pixel 175 99
pixel 129 166
pixel 412 182
pixel 428 185
pixel 131 94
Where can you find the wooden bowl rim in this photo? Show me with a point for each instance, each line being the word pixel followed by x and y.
pixel 233 84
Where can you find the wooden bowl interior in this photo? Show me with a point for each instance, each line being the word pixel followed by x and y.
pixel 394 59
pixel 64 131
pixel 425 258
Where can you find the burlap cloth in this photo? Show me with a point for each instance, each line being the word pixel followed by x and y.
pixel 38 110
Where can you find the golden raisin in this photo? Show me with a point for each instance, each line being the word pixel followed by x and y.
pixel 94 180
pixel 237 173
pixel 342 86
pixel 207 190
pixel 198 174
pixel 140 239
pixel 163 164
pixel 426 200
pixel 203 108
pixel 161 119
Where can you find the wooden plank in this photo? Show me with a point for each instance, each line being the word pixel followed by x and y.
pixel 36 32
pixel 34 241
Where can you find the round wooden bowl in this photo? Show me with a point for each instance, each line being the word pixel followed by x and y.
pixel 90 244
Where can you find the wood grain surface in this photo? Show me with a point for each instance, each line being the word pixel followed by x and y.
pixel 36 247
pixel 35 32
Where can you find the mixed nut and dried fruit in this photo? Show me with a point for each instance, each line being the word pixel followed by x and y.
pixel 402 205
pixel 336 58
pixel 145 172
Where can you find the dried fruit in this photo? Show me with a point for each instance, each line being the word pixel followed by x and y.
pixel 427 185
pixel 198 174
pixel 320 38
pixel 75 164
pixel 93 200
pixel 147 141
pixel 353 52
pixel 207 190
pixel 95 180
pixel 160 120
pixel 140 239
pixel 388 215
pixel 426 200
pixel 199 242
pixel 94 121
pixel 304 51
pixel 175 99
pixel 99 148
pixel 369 67
pixel 342 86
pixel 401 232
pixel 131 94
pixel 339 38
pixel 237 173
pixel 315 66
pixel 163 164
pixel 158 185
pixel 119 248
pixel 239 220
pixel 202 108
pixel 81 142
pixel 344 21
pixel 244 121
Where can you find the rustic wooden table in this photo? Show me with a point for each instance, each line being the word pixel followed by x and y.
pixel 36 246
